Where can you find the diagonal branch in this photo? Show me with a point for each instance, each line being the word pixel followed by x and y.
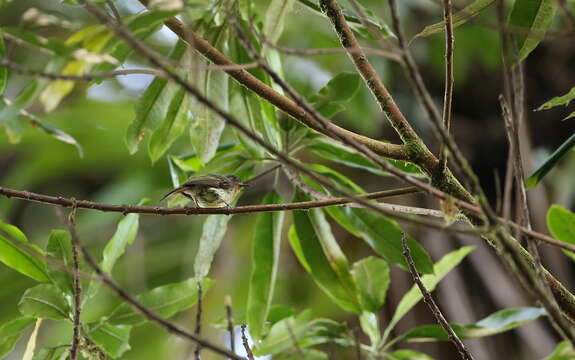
pixel 284 104
pixel 428 299
pixel 333 11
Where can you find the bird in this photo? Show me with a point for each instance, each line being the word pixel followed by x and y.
pixel 210 190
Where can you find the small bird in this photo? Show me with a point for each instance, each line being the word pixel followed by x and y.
pixel 210 190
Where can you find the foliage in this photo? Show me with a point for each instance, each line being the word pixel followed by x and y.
pixel 341 285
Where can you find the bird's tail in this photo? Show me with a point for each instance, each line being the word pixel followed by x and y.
pixel 176 190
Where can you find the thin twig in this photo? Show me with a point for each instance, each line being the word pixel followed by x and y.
pixel 262 174
pixel 198 328
pixel 333 11
pixel 111 74
pixel 448 96
pixel 86 77
pixel 463 352
pixel 230 320
pixel 246 343
pixel 149 314
pixel 77 287
pixel 114 10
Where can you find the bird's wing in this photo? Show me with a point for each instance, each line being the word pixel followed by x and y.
pixel 211 180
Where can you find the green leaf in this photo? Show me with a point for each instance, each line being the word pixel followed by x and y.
pixel 385 237
pixel 274 19
pixel 413 296
pixel 165 301
pixel 534 17
pixel 3 70
pixel 60 248
pixel 495 323
pixel 561 224
pixel 153 104
pixel 339 90
pixel 54 46
pixel 334 151
pixel 213 233
pixel 113 339
pixel 558 100
pixel 311 247
pixel 52 353
pixel 550 162
pixel 459 18
pixel 10 333
pixel 53 131
pixel 300 329
pixel 125 234
pixel 371 276
pixel 16 257
pixel 206 127
pixel 44 301
pixel 98 39
pixel 369 323
pixel 405 354
pixel 563 351
pixel 172 127
pixel 265 258
pixel 307 354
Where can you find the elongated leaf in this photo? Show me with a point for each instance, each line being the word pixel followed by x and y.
pixel 113 339
pixel 60 248
pixel 301 329
pixel 153 104
pixel 29 38
pixel 385 237
pixel 174 124
pixel 495 323
pixel 413 296
pixel 213 233
pixel 3 70
pixel 369 323
pixel 534 17
pixel 308 354
pixel 53 131
pixel 206 127
pixel 563 351
pixel 561 224
pixel 459 18
pixel 405 354
pixel 339 90
pixel 11 331
pixel 44 301
pixel 558 100
pixel 274 19
pixel 16 257
pixel 99 42
pixel 334 151
pixel 310 252
pixel 165 301
pixel 265 258
pixel 550 162
pixel 125 234
pixel 372 278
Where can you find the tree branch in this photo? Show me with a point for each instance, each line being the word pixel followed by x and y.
pixel 281 102
pixel 428 299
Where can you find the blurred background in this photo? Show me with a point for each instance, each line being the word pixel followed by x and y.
pixel 165 248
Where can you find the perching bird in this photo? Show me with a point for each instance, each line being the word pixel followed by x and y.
pixel 210 190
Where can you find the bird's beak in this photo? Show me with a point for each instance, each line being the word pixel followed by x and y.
pixel 244 185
